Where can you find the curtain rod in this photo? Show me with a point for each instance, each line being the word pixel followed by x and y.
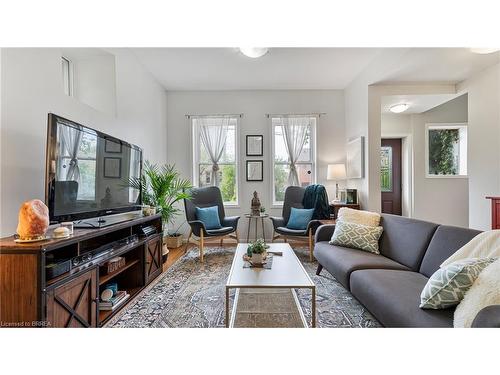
pixel 319 114
pixel 217 115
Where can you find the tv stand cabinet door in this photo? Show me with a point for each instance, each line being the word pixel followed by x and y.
pixel 74 303
pixel 153 257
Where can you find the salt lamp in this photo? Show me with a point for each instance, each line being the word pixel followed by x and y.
pixel 33 220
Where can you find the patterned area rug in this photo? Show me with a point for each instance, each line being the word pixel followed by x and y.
pixel 190 294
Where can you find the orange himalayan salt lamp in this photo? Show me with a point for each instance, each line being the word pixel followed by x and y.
pixel 33 220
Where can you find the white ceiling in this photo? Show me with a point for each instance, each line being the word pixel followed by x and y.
pixel 306 68
pixel 418 103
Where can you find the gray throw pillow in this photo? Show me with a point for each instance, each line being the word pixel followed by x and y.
pixel 357 236
pixel 448 285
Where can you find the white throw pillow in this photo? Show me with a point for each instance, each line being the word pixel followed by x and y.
pixel 484 292
pixel 348 215
pixel 484 245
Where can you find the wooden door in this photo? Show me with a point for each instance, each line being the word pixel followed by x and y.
pixel 153 257
pixel 74 303
pixel 390 176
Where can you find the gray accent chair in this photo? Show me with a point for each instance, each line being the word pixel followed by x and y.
pixel 293 198
pixel 389 284
pixel 208 197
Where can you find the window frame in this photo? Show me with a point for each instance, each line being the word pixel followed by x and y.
pixel 314 162
pixel 70 76
pixel 195 147
pixel 445 126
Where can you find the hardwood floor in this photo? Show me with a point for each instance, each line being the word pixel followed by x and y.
pixel 173 256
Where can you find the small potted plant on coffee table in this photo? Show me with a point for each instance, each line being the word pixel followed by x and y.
pixel 257 251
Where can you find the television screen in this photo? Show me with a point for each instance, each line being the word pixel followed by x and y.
pixel 88 172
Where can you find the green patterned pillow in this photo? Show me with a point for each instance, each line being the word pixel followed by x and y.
pixel 448 285
pixel 357 236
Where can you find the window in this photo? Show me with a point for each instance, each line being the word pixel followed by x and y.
pixel 67 76
pixel 293 137
pixel 386 169
pixel 215 155
pixel 446 150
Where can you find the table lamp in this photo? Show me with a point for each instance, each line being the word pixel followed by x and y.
pixel 337 173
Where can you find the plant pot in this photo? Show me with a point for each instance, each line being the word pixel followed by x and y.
pixel 257 258
pixel 174 241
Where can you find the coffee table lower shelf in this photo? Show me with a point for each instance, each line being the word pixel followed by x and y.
pixel 266 307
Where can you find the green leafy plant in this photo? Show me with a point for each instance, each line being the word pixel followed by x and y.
pixel 442 160
pixel 162 187
pixel 257 247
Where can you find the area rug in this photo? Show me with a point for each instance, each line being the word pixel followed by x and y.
pixel 191 294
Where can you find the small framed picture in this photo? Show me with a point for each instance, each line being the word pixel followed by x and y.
pixel 255 145
pixel 255 170
pixel 113 167
pixel 112 147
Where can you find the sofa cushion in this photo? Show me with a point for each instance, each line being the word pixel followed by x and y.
pixel 349 215
pixel 405 240
pixel 341 261
pixel 393 297
pixel 357 236
pixel 446 241
pixel 448 285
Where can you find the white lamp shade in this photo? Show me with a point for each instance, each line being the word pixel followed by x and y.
pixel 336 172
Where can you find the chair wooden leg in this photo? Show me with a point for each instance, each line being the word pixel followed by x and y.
pixel 237 237
pixel 285 239
pixel 202 243
pixel 221 241
pixel 311 257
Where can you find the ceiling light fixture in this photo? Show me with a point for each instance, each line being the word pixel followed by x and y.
pixel 398 108
pixel 484 51
pixel 254 52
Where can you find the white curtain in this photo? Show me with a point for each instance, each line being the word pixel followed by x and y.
pixel 213 134
pixel 295 133
pixel 71 139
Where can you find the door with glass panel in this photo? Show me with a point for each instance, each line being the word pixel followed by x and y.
pixel 390 176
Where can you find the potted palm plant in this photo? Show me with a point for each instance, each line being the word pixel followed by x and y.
pixel 162 187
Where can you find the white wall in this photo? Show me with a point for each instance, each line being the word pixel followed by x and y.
pixel 484 143
pixel 31 86
pixel 254 105
pixel 440 200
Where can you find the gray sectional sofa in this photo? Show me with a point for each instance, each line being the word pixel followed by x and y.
pixel 389 284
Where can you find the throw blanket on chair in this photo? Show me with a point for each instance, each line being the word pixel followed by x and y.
pixel 316 197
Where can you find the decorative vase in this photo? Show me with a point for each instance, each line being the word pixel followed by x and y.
pixel 257 258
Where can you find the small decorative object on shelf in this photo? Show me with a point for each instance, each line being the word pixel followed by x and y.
pixel 262 210
pixel 115 264
pixel 255 204
pixel 61 232
pixel 257 251
pixel 33 220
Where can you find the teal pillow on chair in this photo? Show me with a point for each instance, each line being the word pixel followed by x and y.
pixel 209 216
pixel 299 218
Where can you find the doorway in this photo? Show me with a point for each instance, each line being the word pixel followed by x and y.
pixel 391 175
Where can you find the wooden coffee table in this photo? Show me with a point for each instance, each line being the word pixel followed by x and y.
pixel 286 273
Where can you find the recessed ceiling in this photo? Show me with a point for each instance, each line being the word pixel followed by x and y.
pixel 307 68
pixel 417 103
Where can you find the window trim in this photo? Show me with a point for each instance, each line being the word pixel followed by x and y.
pixel 443 126
pixel 195 146
pixel 70 76
pixel 314 161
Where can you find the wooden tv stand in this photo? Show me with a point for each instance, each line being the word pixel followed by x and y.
pixel 30 298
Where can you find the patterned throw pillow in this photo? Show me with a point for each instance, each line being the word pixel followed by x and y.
pixel 357 236
pixel 448 285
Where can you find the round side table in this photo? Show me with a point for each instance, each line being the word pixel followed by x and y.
pixel 256 218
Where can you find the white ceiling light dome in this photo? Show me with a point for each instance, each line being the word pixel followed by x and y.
pixel 254 52
pixel 484 51
pixel 399 108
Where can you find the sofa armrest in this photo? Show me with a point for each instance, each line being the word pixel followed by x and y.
pixel 230 221
pixel 277 221
pixel 324 232
pixel 197 226
pixel 488 317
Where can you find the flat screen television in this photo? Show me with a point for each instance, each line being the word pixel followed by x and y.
pixel 87 173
